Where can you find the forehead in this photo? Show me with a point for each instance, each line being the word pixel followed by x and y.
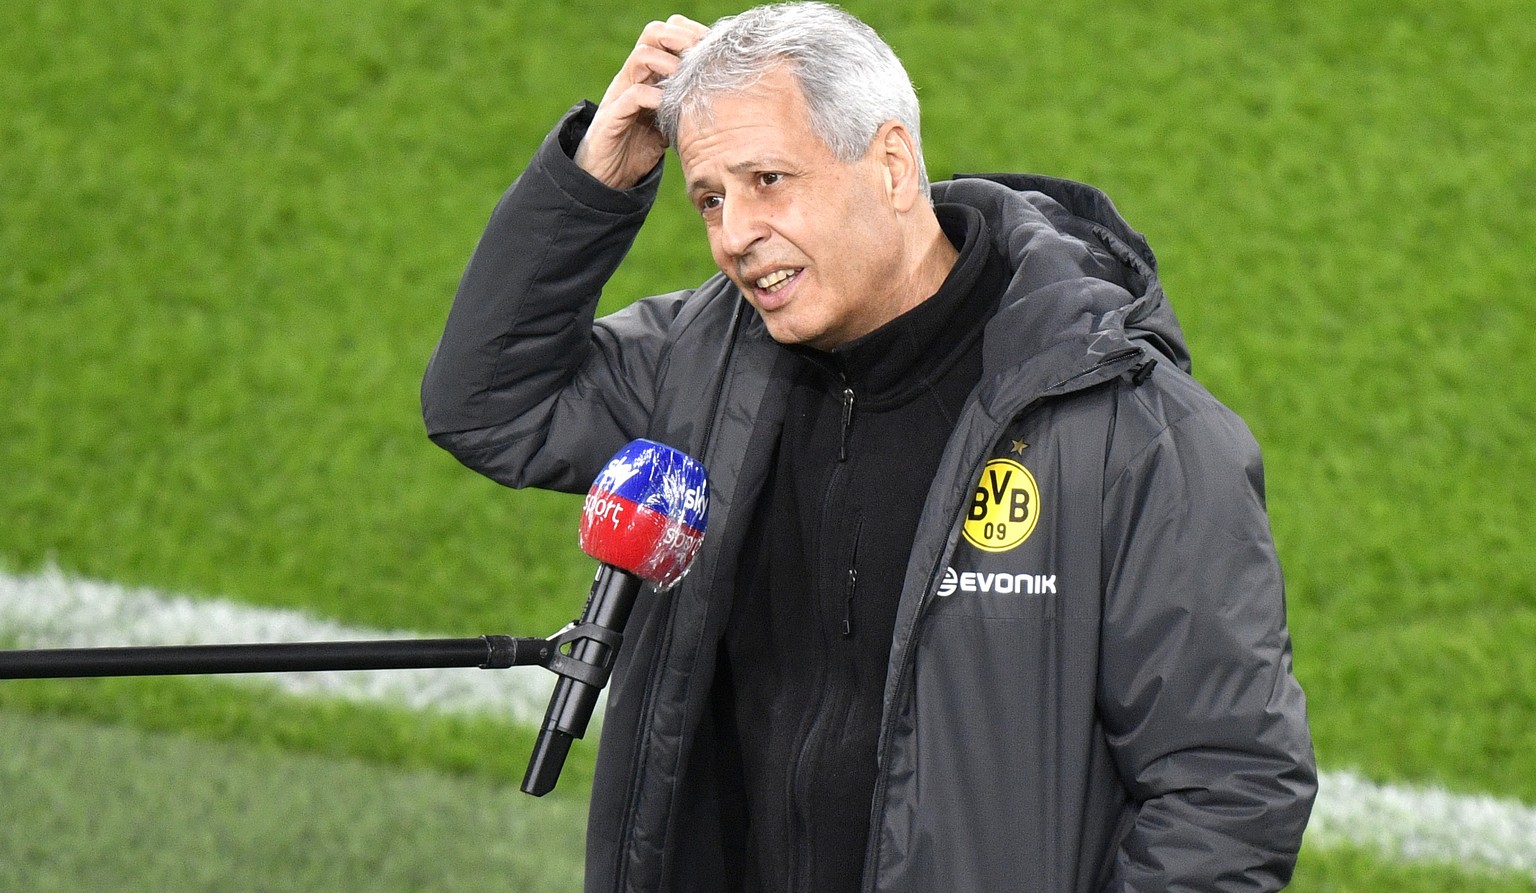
pixel 770 117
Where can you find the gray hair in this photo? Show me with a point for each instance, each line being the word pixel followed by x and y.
pixel 851 79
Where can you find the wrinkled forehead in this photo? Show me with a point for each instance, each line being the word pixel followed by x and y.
pixel 769 115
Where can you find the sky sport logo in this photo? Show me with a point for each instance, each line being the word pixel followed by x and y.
pixel 1004 508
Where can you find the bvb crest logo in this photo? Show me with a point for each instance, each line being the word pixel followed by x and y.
pixel 1004 508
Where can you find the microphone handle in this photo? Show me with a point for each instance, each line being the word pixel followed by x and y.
pixel 570 707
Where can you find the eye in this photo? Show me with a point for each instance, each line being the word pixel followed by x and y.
pixel 709 203
pixel 768 178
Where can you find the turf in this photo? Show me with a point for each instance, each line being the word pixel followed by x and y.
pixel 484 748
pixel 231 232
pixel 94 805
pixel 110 807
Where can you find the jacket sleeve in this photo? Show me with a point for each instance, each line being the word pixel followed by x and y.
pixel 524 386
pixel 1204 717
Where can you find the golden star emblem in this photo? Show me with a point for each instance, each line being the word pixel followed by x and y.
pixel 1019 447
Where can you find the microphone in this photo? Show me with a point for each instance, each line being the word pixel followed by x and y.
pixel 643 520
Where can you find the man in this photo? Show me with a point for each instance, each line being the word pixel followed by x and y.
pixel 989 599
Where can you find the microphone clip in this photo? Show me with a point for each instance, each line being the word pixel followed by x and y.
pixel 561 660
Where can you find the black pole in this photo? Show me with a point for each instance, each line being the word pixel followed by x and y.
pixel 588 665
pixel 485 652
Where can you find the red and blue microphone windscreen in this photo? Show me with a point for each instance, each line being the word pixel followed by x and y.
pixel 646 512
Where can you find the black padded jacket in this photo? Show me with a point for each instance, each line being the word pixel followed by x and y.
pixel 1090 683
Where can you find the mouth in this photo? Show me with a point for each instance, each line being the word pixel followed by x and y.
pixel 776 280
pixel 772 290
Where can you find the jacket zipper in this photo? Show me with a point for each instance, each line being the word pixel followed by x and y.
pixel 816 732
pixel 852 583
pixel 904 681
pixel 842 443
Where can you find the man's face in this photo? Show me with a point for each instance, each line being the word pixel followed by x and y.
pixel 811 241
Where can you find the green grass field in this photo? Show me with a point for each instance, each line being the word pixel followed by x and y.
pixel 230 233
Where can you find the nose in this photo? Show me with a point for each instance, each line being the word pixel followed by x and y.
pixel 742 226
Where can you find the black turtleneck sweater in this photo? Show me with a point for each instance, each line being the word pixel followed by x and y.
pixel 804 657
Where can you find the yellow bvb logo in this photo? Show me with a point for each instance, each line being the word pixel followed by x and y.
pixel 1005 507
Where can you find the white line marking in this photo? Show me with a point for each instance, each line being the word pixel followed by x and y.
pixel 1425 824
pixel 53 610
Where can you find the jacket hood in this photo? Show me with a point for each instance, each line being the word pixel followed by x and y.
pixel 1080 273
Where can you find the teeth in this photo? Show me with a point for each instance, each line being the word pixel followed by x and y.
pixel 774 279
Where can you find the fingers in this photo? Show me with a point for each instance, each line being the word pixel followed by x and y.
pixel 646 65
pixel 660 48
pixel 672 37
pixel 624 110
pixel 676 34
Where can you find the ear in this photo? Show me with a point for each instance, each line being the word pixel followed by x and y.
pixel 898 155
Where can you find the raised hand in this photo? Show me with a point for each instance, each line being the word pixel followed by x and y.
pixel 623 144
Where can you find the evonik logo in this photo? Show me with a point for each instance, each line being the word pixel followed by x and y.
pixel 1003 584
